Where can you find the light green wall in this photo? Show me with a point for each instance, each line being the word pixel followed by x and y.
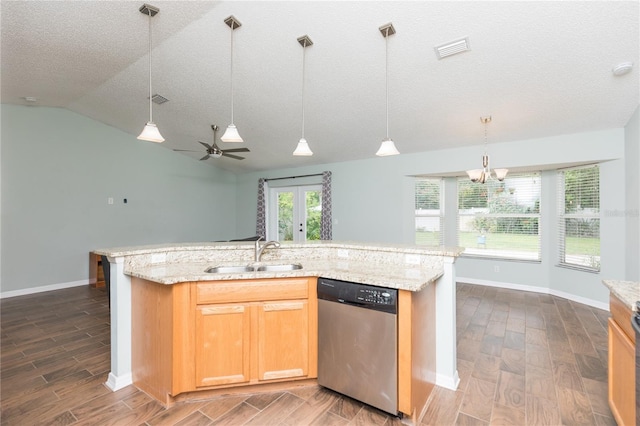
pixel 373 201
pixel 56 177
pixel 59 168
pixel 632 211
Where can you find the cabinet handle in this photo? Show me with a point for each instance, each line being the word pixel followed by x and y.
pixel 213 310
pixel 282 306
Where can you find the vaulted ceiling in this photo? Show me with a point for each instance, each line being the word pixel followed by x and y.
pixel 538 68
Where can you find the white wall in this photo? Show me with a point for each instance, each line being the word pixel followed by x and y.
pixel 632 211
pixel 59 168
pixel 373 201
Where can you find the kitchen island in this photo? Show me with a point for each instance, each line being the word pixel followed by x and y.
pixel 622 350
pixel 425 276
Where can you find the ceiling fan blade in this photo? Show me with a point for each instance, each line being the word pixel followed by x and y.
pixel 206 145
pixel 205 157
pixel 186 150
pixel 237 150
pixel 224 154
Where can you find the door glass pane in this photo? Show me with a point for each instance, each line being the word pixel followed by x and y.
pixel 313 214
pixel 285 216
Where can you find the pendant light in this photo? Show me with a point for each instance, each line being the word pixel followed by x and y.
pixel 484 174
pixel 303 147
pixel 231 134
pixel 150 132
pixel 387 147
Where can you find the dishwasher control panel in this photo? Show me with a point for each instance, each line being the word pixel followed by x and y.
pixel 375 295
pixel 356 294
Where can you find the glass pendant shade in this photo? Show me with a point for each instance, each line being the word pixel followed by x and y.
pixel 151 133
pixel 475 175
pixel 501 173
pixel 303 148
pixel 387 148
pixel 231 134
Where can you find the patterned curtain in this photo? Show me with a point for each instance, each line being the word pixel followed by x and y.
pixel 261 222
pixel 325 220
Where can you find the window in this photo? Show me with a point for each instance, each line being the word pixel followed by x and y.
pixel 500 219
pixel 429 215
pixel 579 217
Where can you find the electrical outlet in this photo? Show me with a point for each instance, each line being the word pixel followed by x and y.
pixel 496 268
pixel 110 200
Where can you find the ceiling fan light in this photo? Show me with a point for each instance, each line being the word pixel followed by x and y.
pixel 303 149
pixel 231 134
pixel 151 133
pixel 387 148
pixel 501 173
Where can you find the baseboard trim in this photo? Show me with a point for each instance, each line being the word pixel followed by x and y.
pixel 447 381
pixel 34 290
pixel 118 382
pixel 543 290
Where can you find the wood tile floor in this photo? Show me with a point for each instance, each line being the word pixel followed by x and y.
pixel 523 358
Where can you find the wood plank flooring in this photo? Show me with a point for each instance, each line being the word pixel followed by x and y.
pixel 523 358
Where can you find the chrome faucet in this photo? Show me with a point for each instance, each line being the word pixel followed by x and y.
pixel 259 249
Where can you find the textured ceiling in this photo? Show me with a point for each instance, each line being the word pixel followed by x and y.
pixel 539 68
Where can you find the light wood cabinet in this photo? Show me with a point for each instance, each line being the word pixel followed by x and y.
pixel 283 340
pixel 223 344
pixel 622 364
pixel 220 334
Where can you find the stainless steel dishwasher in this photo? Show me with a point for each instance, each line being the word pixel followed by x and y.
pixel 357 342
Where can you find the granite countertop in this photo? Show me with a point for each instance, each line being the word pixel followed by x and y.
pixel 627 291
pixel 391 276
pixel 234 245
pixel 400 266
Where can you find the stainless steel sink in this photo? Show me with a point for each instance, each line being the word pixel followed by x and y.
pixel 279 268
pixel 230 269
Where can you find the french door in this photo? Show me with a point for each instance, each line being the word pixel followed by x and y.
pixel 294 213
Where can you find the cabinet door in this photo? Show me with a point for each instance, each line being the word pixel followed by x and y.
pixel 622 367
pixel 283 339
pixel 223 334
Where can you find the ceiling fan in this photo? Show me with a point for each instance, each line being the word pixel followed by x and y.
pixel 213 151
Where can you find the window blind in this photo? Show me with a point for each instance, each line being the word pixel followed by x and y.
pixel 500 219
pixel 579 217
pixel 429 216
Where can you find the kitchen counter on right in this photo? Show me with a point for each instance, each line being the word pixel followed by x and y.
pixel 627 291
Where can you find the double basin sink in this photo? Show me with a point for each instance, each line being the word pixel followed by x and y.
pixel 238 269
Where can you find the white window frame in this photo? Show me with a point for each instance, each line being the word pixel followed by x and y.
pixel 428 214
pixel 584 262
pixel 482 244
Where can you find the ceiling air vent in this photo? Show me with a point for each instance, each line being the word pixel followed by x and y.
pixel 159 99
pixel 452 48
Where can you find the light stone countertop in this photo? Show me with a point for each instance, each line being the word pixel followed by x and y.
pixel 399 277
pixel 234 245
pixel 627 291
pixel 404 267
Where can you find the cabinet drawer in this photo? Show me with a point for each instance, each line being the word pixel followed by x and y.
pixel 251 290
pixel 621 314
